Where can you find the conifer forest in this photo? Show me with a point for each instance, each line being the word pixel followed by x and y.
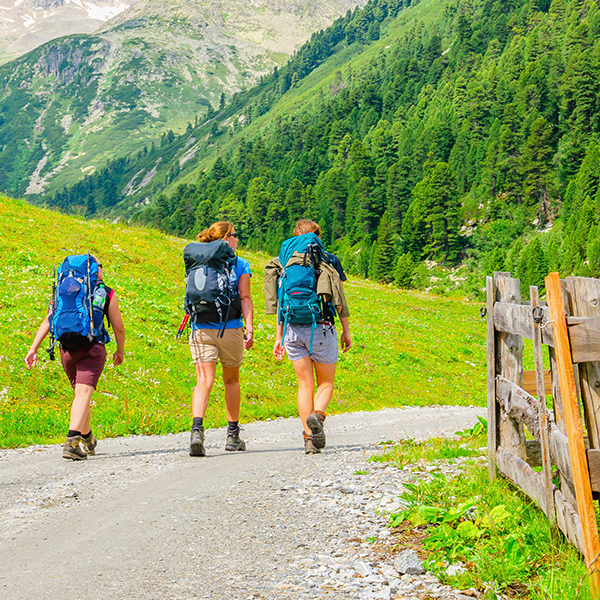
pixel 471 139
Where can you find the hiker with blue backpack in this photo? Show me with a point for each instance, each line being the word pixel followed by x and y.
pixel 218 302
pixel 80 303
pixel 303 286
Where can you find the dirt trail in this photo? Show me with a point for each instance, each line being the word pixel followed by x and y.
pixel 142 519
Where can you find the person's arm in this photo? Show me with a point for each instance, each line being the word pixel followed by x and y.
pixel 42 332
pixel 345 339
pixel 114 316
pixel 247 309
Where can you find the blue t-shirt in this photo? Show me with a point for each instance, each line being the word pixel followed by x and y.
pixel 241 267
pixel 337 265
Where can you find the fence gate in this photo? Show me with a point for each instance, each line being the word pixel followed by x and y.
pixel 522 433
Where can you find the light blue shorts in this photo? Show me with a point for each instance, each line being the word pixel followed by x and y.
pixel 325 348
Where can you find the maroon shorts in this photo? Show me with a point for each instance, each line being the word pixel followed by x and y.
pixel 85 365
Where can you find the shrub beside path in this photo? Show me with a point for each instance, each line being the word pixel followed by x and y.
pixel 143 520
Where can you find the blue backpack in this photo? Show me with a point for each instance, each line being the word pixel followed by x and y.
pixel 299 302
pixel 78 301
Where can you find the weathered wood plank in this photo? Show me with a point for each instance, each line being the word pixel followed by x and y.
pixel 521 405
pixel 518 404
pixel 585 339
pixel 516 318
pixel 581 480
pixel 568 521
pixel 523 476
pixel 541 408
pixel 492 407
pixel 530 382
pixel 559 452
pixel 593 456
pixel 509 363
pixel 584 295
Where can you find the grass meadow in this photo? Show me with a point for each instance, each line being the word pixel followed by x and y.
pixel 409 347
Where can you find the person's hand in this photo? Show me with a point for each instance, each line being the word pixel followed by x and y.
pixel 118 358
pixel 31 359
pixel 278 350
pixel 248 340
pixel 345 341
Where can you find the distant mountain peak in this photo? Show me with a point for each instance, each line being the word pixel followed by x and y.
pixel 27 24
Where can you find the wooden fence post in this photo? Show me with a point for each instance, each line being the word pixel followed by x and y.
pixel 542 413
pixel 581 480
pixel 492 405
pixel 509 361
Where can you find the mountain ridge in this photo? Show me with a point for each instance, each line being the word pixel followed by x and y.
pixel 27 24
pixel 73 103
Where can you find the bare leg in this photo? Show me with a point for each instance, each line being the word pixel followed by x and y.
pixel 306 386
pixel 325 378
pixel 80 409
pixel 205 378
pixel 231 380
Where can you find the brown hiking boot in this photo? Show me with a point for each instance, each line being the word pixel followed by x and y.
pixel 72 450
pixel 89 445
pixel 197 443
pixel 315 423
pixel 309 447
pixel 234 443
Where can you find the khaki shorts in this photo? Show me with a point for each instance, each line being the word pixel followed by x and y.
pixel 207 347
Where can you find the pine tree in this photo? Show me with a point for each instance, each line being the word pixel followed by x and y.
pixel 385 251
pixel 404 272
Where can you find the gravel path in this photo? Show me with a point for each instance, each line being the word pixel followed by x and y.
pixel 144 520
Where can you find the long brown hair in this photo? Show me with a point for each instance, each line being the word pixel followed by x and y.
pixel 305 226
pixel 217 231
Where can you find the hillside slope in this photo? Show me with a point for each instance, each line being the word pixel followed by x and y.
pixel 72 104
pixel 409 348
pixel 458 133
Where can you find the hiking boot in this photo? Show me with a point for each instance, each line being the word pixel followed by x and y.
pixel 197 443
pixel 315 423
pixel 71 449
pixel 234 443
pixel 89 445
pixel 309 447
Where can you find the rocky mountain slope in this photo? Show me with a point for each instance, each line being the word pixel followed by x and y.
pixel 26 24
pixel 75 102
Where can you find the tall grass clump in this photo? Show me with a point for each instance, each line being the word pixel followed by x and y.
pixel 492 537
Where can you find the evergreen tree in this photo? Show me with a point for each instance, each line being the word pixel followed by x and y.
pixel 404 272
pixel 382 268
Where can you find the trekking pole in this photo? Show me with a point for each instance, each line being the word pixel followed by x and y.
pixel 91 314
pixel 186 318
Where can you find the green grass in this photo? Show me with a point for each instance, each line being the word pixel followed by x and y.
pixel 409 348
pixel 507 546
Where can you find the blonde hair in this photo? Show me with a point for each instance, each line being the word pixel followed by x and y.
pixel 305 226
pixel 217 231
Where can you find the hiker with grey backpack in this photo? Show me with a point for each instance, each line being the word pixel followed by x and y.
pixel 218 302
pixel 303 286
pixel 80 303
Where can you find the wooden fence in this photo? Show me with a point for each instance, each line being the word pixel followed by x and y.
pixel 568 323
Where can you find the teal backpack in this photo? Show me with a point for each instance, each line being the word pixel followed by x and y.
pixel 299 303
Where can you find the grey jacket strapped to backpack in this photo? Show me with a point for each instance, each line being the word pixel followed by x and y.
pixel 329 285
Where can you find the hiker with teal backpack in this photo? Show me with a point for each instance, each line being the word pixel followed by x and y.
pixel 218 302
pixel 80 303
pixel 303 286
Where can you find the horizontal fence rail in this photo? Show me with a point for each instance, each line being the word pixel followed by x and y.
pixel 523 434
